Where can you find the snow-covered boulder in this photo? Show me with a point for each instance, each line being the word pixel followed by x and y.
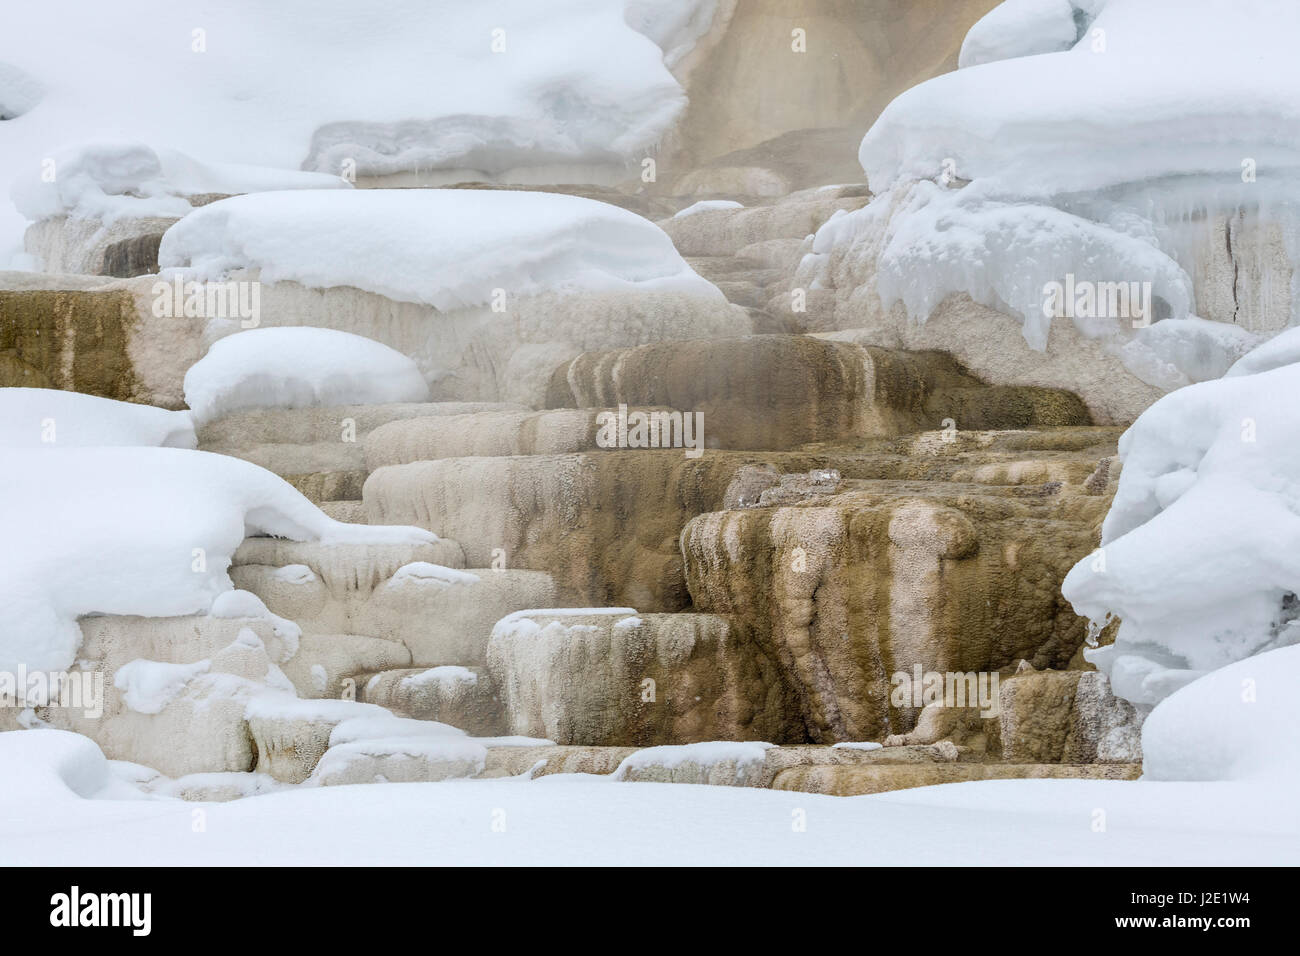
pixel 1080 199
pixel 297 367
pixel 1198 552
pixel 148 531
pixel 487 290
pixel 717 763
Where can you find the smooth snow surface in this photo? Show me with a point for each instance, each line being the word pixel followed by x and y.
pixel 52 418
pixel 448 248
pixel 297 367
pixel 46 778
pixel 1241 722
pixel 343 88
pixel 147 531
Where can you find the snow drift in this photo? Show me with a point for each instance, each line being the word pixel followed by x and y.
pixel 1200 552
pixel 51 418
pixel 145 531
pixel 448 248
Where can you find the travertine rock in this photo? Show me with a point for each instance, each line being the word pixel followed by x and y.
pixel 459 696
pixel 1068 717
pixel 614 677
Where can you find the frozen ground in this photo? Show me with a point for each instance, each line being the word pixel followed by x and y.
pixel 573 819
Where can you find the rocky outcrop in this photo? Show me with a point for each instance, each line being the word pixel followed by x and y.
pixel 403 597
pixel 856 781
pixel 460 696
pixel 849 589
pixel 1068 717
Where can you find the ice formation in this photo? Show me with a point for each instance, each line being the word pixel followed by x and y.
pixel 298 367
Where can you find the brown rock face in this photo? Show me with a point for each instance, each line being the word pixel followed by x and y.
pixel 1068 717
pixel 781 391
pixel 70 339
pixel 881 578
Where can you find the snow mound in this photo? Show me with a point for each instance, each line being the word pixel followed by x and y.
pixel 448 248
pixel 476 89
pixel 1078 145
pixel 705 754
pixel 1241 722
pixel 51 767
pixel 52 418
pixel 1026 28
pixel 1282 349
pixel 110 180
pixel 1121 108
pixel 1200 555
pixel 298 367
pixel 144 531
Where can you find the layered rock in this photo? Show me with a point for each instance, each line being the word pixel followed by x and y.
pixel 1068 717
pixel 613 678
pixel 849 589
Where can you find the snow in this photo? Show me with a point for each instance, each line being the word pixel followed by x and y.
pixel 1241 722
pixel 1110 161
pixel 423 571
pixel 382 725
pixel 1199 549
pixel 48 815
pixel 448 248
pixel 51 418
pixel 705 205
pixel 448 675
pixel 295 574
pixel 705 754
pixel 1025 28
pixel 111 180
pixel 298 367
pixel 149 686
pixel 857 745
pixel 242 604
pixel 146 531
pixel 293 85
pixel 1086 119
pixel 1282 349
